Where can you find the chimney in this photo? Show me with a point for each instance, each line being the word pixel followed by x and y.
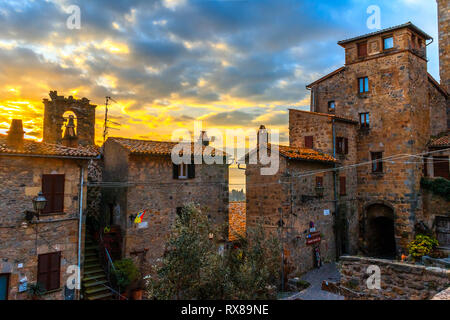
pixel 15 133
pixel 263 136
pixel 203 139
pixel 70 138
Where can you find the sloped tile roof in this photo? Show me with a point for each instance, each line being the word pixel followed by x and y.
pixel 31 147
pixel 441 142
pixel 331 74
pixel 332 116
pixel 295 153
pixel 149 147
pixel 237 220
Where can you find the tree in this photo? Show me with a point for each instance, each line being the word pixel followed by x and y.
pixel 193 267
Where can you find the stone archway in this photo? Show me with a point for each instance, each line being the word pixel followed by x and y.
pixel 380 231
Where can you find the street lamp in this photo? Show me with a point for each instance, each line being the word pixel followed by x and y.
pixel 39 203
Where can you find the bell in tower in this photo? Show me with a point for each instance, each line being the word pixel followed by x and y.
pixel 70 137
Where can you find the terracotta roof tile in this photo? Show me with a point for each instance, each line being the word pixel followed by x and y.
pixel 295 153
pixel 149 147
pixel 441 142
pixel 31 147
pixel 332 116
pixel 237 220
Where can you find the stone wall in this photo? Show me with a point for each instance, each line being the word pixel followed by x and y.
pixel 237 220
pixel 399 281
pixel 444 42
pixel 438 111
pixel 149 185
pixel 21 181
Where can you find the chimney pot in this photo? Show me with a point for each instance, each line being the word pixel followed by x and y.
pixel 16 133
pixel 262 134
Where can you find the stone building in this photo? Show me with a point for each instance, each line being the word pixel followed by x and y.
pixel 379 107
pixel 40 250
pixel 139 176
pixel 285 204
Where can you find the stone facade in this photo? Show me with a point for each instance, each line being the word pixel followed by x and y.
pixel 444 42
pixel 21 242
pixel 292 201
pixel 405 106
pixel 54 121
pixel 145 182
pixel 399 281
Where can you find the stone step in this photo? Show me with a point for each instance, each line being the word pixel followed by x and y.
pixel 99 276
pixel 90 254
pixel 91 266
pixel 90 259
pixel 91 284
pixel 100 296
pixel 92 272
pixel 96 290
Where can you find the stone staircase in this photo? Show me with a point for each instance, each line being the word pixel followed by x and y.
pixel 94 277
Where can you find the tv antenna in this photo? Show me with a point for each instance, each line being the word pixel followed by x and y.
pixel 106 127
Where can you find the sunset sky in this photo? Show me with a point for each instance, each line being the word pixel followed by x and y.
pixel 230 63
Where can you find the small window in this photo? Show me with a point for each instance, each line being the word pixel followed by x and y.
pixel 388 43
pixel 420 43
pixel 362 49
pixel 49 266
pixel 342 186
pixel 53 190
pixel 363 84
pixel 413 41
pixel 377 163
pixel 179 211
pixel 364 120
pixel 331 106
pixel 440 167
pixel 309 142
pixel 341 145
pixel 182 171
pixel 319 182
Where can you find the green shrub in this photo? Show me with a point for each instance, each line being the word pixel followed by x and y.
pixel 438 186
pixel 125 273
pixel 421 246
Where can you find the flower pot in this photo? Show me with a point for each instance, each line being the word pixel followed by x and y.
pixel 137 294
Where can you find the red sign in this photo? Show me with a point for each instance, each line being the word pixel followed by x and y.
pixel 313 237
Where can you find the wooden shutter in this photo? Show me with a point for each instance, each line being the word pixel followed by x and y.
pixel 346 145
pixel 362 49
pixel 53 190
pixel 342 186
pixel 49 270
pixel 309 142
pixel 175 170
pixel 191 171
pixel 440 165
pixel 319 182
pixel 339 146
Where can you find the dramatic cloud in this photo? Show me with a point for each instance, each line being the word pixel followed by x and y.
pixel 230 63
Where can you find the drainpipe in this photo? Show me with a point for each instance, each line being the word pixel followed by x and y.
pixel 80 227
pixel 336 207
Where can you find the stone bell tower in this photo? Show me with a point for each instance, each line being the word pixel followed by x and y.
pixel 444 42
pixel 54 120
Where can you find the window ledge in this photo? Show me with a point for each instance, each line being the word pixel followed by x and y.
pixel 377 174
pixel 52 214
pixel 52 291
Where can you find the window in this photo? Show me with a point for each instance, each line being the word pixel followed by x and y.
pixel 331 106
pixel 53 190
pixel 49 266
pixel 319 182
pixel 179 211
pixel 342 186
pixel 341 145
pixel 413 41
pixel 363 84
pixel 388 43
pixel 377 163
pixel 362 49
pixel 184 171
pixel 419 43
pixel 309 142
pixel 440 166
pixel 364 120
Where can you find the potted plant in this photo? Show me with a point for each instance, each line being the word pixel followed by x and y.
pixel 126 274
pixel 421 246
pixel 35 291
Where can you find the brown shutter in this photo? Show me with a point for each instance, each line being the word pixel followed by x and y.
pixel 53 190
pixel 342 186
pixel 191 171
pixel 309 142
pixel 319 181
pixel 440 165
pixel 49 270
pixel 175 170
pixel 346 145
pixel 47 183
pixel 362 49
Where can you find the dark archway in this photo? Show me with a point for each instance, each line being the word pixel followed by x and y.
pixel 380 235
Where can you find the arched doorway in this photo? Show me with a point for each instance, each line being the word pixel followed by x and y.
pixel 380 231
